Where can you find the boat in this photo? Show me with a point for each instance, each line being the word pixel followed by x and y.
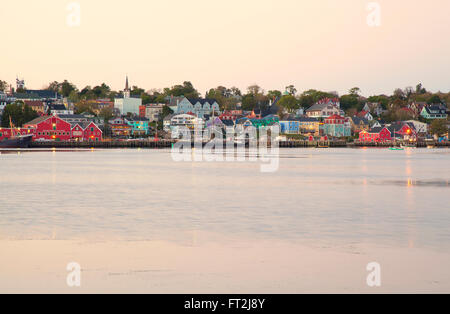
pixel 20 141
pixel 408 146
pixel 396 148
pixel 16 140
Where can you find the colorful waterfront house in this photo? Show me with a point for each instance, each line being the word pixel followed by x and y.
pixel 231 115
pixel 324 108
pixel 421 128
pixel 86 132
pixel 289 126
pixel 49 128
pixel 359 124
pixel 139 125
pixel 309 126
pixel 435 111
pixel 403 131
pixel 265 122
pixel 375 135
pixel 336 126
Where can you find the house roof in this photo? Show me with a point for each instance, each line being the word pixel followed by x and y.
pixel 44 94
pixel 273 109
pixel 362 114
pixel 358 120
pixel 71 116
pixel 435 107
pixel 137 119
pixel 202 101
pixel 57 107
pixel 317 107
pixel 38 120
pixel 227 122
pixel 375 130
pixel 335 116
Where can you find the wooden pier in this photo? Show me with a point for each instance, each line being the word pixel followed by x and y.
pixel 168 144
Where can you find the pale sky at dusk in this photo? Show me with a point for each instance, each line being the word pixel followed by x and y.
pixel 321 44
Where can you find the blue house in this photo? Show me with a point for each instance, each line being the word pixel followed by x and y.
pixel 139 126
pixel 290 126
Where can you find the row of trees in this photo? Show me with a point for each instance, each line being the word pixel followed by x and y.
pixel 19 114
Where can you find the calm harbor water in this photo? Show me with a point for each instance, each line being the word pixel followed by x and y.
pixel 328 197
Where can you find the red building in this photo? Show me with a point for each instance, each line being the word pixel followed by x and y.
pixel 142 111
pixel 86 132
pixel 402 131
pixel 375 135
pixel 49 128
pixel 231 115
pixel 6 133
pixel 53 128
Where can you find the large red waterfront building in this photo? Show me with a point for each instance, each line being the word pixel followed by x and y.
pixel 53 128
pixel 50 128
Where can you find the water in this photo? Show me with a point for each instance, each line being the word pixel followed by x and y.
pixel 135 217
pixel 373 195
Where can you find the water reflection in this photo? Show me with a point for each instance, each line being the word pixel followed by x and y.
pixel 335 195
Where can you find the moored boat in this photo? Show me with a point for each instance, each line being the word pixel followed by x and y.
pixel 21 141
pixel 16 140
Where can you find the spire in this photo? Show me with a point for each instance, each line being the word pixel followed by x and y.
pixel 127 92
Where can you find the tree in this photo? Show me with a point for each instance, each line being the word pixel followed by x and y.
pixel 254 90
pixel 439 127
pixel 106 114
pixel 19 114
pixel 399 94
pixel 66 88
pixel 53 86
pixel 349 101
pixel 165 112
pixel 355 91
pixel 273 94
pixel 289 103
pixel 291 90
pixel 306 101
pixel 435 99
pixel 317 95
pixel 187 90
pixel 420 89
pixel 101 91
pixel 3 86
pixel 83 106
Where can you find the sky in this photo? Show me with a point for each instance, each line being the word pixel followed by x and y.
pixel 321 44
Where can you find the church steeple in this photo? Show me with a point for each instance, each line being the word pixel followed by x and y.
pixel 126 91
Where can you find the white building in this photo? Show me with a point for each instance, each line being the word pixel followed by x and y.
pixel 153 112
pixel 127 104
pixel 199 107
pixel 181 123
pixel 325 108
